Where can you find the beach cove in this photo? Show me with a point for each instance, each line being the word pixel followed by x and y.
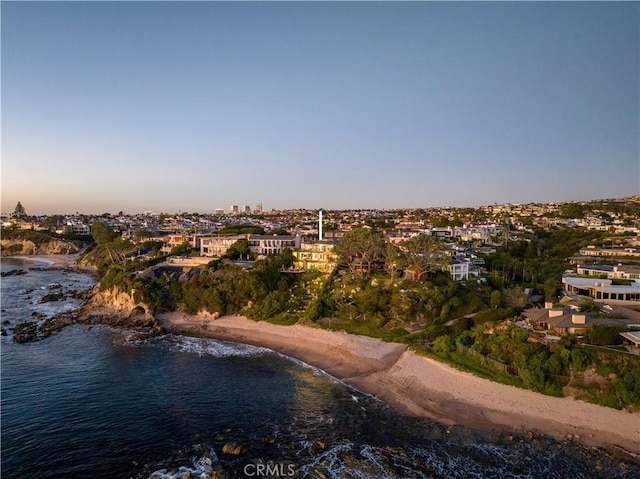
pixel 421 386
pixel 381 415
pixel 413 384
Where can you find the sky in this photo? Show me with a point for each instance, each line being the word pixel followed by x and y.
pixel 169 106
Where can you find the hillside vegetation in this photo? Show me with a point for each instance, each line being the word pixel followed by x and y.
pixel 468 324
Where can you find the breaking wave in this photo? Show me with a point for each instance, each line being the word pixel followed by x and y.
pixel 202 346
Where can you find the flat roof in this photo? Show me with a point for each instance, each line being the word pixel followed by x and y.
pixel 602 285
pixel 633 336
pixel 599 267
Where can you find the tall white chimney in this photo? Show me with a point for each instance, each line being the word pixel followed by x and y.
pixel 320 225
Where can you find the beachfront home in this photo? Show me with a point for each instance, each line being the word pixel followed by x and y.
pixel 218 245
pixel 263 245
pixel 568 321
pixel 316 255
pixel 260 245
pixel 603 290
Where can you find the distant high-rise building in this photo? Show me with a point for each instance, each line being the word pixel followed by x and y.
pixel 258 207
pixel 219 211
pixel 233 209
pixel 246 209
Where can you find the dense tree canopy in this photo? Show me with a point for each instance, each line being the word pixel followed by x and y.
pixel 360 248
pixel 424 253
pixel 101 233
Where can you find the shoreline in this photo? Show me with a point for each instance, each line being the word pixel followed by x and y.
pixel 412 384
pixel 420 386
pixel 66 262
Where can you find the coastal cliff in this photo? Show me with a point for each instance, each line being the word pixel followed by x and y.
pixel 117 308
pixel 119 302
pixel 33 246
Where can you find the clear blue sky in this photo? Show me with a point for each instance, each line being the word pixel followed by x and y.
pixel 195 106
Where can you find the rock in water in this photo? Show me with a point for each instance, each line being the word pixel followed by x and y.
pixel 25 332
pixel 13 272
pixel 233 449
pixel 52 297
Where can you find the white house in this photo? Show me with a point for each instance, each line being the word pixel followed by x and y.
pixel 272 244
pixel 218 245
pixel 459 269
pixel 603 290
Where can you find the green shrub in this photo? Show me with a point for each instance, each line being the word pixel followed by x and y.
pixel 579 359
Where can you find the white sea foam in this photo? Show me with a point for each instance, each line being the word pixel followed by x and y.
pixel 204 346
pixel 201 468
pixel 316 371
pixel 39 261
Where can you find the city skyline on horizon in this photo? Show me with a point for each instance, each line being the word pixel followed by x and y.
pixel 226 212
pixel 183 107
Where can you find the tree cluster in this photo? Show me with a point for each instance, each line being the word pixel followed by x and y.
pixel 364 250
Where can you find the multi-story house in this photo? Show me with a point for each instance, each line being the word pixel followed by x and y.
pixel 173 240
pixel 263 245
pixel 218 245
pixel 76 228
pixel 260 245
pixel 459 269
pixel 316 255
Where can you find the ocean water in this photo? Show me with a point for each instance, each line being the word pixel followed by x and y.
pixel 91 402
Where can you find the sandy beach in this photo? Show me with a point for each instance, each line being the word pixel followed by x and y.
pixel 413 384
pixel 421 386
pixel 57 261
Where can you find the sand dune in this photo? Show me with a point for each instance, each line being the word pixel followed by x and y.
pixel 421 386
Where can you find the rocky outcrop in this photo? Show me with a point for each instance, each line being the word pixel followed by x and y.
pixel 47 298
pixel 25 332
pixel 118 301
pixel 13 272
pixel 112 307
pixel 118 309
pixel 27 247
pixel 30 331
pixel 233 449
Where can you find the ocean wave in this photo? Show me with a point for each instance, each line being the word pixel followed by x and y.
pixel 448 459
pixel 203 346
pixel 29 259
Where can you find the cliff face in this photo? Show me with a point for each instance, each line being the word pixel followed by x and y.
pixel 116 308
pixel 117 301
pixel 26 247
